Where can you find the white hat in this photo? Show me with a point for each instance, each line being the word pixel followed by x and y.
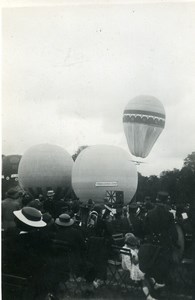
pixel 50 193
pixel 30 216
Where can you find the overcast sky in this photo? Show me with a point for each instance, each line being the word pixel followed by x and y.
pixel 69 70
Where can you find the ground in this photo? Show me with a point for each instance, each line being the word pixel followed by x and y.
pixel 179 287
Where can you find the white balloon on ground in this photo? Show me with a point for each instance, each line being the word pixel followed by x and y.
pixel 45 167
pixel 143 120
pixel 103 168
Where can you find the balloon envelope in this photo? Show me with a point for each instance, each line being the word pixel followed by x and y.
pixel 103 168
pixel 45 167
pixel 10 165
pixel 143 120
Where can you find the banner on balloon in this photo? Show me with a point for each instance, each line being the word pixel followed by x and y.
pixel 103 183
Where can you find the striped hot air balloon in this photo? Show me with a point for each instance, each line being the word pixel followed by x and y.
pixel 143 120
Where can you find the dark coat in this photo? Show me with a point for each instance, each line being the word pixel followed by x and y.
pixel 54 207
pixel 8 206
pixel 71 235
pixel 26 253
pixel 74 238
pixel 119 225
pixel 30 255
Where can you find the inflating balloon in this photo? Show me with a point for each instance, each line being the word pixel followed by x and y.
pixel 104 171
pixel 10 165
pixel 45 167
pixel 143 120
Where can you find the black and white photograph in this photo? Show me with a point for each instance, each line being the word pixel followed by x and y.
pixel 98 150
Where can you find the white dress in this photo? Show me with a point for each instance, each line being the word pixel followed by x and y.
pixel 127 264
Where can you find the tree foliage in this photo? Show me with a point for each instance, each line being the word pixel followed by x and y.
pixel 79 150
pixel 189 162
pixel 178 184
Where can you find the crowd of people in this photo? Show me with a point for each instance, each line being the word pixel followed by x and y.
pixel 33 228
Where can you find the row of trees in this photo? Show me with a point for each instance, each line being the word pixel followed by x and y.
pixel 178 184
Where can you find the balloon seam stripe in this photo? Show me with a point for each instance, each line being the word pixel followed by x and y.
pixel 143 112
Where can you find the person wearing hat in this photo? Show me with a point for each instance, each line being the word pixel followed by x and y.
pixel 78 225
pixel 54 205
pixel 96 225
pixel 67 232
pixel 130 263
pixel 48 204
pixel 90 204
pixel 30 217
pixel 26 199
pixel 85 210
pixel 36 203
pixel 27 233
pixel 98 244
pixel 135 219
pixel 70 234
pixel 27 250
pixel 8 205
pixel 119 224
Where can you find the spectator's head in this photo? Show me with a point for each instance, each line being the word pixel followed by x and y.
pixel 64 220
pixel 149 206
pixel 41 197
pixel 47 218
pixel 50 194
pixel 131 240
pixel 26 199
pixel 106 201
pixel 12 193
pixel 90 203
pixel 29 218
pixel 77 219
pixel 20 194
pixel 118 213
pixel 125 210
pixel 133 207
pixel 36 203
pixel 97 209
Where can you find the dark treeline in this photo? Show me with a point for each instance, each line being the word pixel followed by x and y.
pixel 178 184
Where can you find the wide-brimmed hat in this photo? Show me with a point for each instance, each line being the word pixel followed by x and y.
pixel 50 193
pixel 130 239
pixel 64 220
pixel 30 216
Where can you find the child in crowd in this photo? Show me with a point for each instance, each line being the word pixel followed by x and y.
pixel 130 263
